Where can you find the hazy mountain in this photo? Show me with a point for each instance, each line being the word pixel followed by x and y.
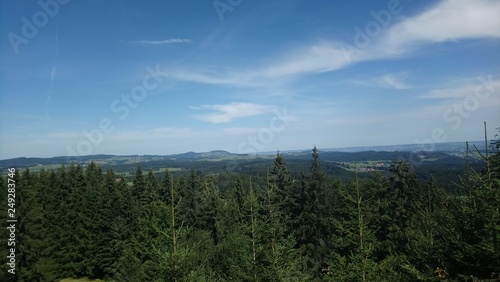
pixel 368 152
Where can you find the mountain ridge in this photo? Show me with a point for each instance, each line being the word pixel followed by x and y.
pixel 455 148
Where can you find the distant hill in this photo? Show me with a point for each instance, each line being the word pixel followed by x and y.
pixel 194 155
pixel 30 162
pixel 456 149
pixel 447 147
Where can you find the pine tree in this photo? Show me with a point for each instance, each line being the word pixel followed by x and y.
pixel 188 192
pixel 91 216
pixel 4 232
pixel 280 180
pixel 312 225
pixel 129 268
pixel 138 188
pixel 474 250
pixel 209 210
pixel 253 205
pixel 280 261
pixel 31 229
pixel 177 258
pixel 404 194
pixel 428 231
pixel 109 245
pixel 151 190
pixel 239 194
pixel 164 189
pixel 56 205
pixel 74 235
pixel 123 229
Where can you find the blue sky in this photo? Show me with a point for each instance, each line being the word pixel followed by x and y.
pixel 163 77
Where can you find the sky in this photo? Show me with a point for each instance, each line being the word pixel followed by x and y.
pixel 164 77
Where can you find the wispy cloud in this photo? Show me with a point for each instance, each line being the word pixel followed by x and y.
pixel 319 57
pixel 216 77
pixel 449 20
pixel 228 112
pixel 472 87
pixel 162 42
pixel 392 81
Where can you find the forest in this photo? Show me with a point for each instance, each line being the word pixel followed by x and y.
pixel 282 225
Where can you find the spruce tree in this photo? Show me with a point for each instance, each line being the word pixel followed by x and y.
pixel 280 180
pixel 91 211
pixel 429 230
pixel 31 230
pixel 75 235
pixel 280 261
pixel 313 223
pixel 109 245
pixel 474 249
pixel 404 194
pixel 209 210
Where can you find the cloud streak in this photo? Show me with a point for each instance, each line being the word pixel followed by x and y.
pixel 229 112
pixel 162 42
pixel 464 90
pixel 52 76
pixel 449 20
pixel 392 81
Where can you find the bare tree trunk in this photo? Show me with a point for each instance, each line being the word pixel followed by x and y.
pixel 252 218
pixel 360 223
pixel 174 239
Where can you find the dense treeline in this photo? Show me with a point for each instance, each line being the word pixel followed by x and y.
pixel 84 222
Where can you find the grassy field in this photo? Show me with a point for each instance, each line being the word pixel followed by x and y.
pixel 366 166
pixel 80 280
pixel 44 167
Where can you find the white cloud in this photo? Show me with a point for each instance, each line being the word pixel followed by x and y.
pixel 319 57
pixel 480 87
pixel 162 42
pixel 395 81
pixel 392 81
pixel 228 112
pixel 217 77
pixel 447 21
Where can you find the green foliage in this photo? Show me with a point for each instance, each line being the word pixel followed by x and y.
pixel 79 221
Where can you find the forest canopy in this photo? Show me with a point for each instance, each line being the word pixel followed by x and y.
pixel 81 221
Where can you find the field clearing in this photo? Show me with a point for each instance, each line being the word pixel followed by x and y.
pixel 366 166
pixel 80 280
pixel 38 168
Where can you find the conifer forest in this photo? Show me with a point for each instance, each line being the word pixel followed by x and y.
pixel 79 221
